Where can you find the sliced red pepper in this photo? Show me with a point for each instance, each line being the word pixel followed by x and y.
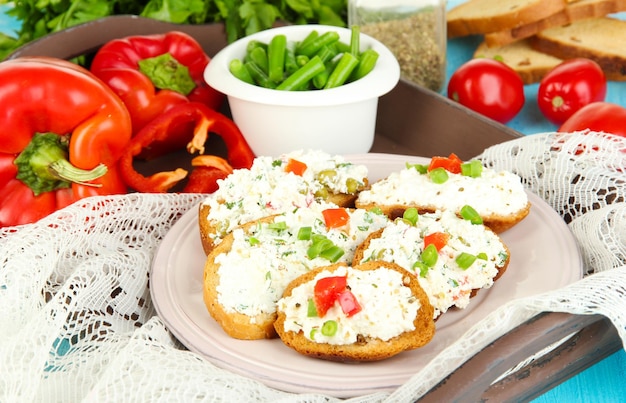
pixel 349 305
pixel 203 120
pixel 335 217
pixel 437 239
pixel 65 130
pixel 326 291
pixel 452 163
pixel 295 166
pixel 208 169
pixel 152 73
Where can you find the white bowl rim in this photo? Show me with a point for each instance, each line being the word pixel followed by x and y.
pixel 378 82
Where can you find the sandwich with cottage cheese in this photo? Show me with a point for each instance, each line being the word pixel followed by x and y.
pixel 451 257
pixel 246 274
pixel 277 185
pixel 367 312
pixel 447 183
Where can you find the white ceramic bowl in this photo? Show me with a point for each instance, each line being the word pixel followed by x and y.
pixel 339 120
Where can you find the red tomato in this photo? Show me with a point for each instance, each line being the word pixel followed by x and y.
pixel 335 217
pixel 438 239
pixel 326 291
pixel 452 163
pixel 295 166
pixel 570 86
pixel 598 117
pixel 349 304
pixel 488 87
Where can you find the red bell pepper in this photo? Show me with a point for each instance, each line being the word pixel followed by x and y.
pixel 203 121
pixel 152 73
pixel 63 132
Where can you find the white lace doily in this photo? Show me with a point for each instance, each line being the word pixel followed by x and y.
pixel 77 322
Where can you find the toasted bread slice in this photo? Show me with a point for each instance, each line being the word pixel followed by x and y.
pixel 448 281
pixel 248 271
pixel 395 316
pixel 497 196
pixel 270 187
pixel 600 39
pixel 574 11
pixel 530 64
pixel 484 16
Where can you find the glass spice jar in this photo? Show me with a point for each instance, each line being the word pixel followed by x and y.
pixel 414 31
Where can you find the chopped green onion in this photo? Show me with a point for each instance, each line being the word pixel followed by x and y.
pixel 482 256
pixel 430 255
pixel 376 210
pixel 332 254
pixel 418 167
pixel 438 175
pixel 410 215
pixel 329 328
pixel 423 269
pixel 277 226
pixel 465 260
pixel 468 213
pixel 473 169
pixel 311 311
pixel 313 333
pixel 304 233
pixel 253 241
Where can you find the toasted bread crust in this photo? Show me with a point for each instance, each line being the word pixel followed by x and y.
pixel 370 349
pixel 497 224
pixel 235 324
pixel 599 39
pixel 574 11
pixel 484 16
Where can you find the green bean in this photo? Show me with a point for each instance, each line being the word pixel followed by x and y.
pixel 260 77
pixel 276 57
pixel 313 46
pixel 341 47
pixel 238 70
pixel 290 58
pixel 258 55
pixel 301 60
pixel 320 80
pixel 303 75
pixel 342 71
pixel 255 44
pixel 367 62
pixel 326 53
pixel 309 38
pixel 355 45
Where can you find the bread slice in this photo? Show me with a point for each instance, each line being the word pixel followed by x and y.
pixel 574 11
pixel 531 65
pixel 600 39
pixel 498 197
pixel 380 330
pixel 267 188
pixel 446 282
pixel 248 271
pixel 484 16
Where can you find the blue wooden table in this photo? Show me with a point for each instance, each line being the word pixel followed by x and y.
pixel 605 381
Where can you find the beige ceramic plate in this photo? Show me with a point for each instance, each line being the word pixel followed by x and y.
pixel 544 257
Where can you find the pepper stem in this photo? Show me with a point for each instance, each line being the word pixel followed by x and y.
pixel 64 170
pixel 43 165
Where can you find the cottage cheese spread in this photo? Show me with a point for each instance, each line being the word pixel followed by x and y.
pixel 266 189
pixel 446 284
pixel 492 193
pixel 262 261
pixel 389 308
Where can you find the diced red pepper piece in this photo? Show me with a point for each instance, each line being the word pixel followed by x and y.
pixel 335 217
pixel 326 291
pixel 437 239
pixel 295 166
pixel 349 305
pixel 452 163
